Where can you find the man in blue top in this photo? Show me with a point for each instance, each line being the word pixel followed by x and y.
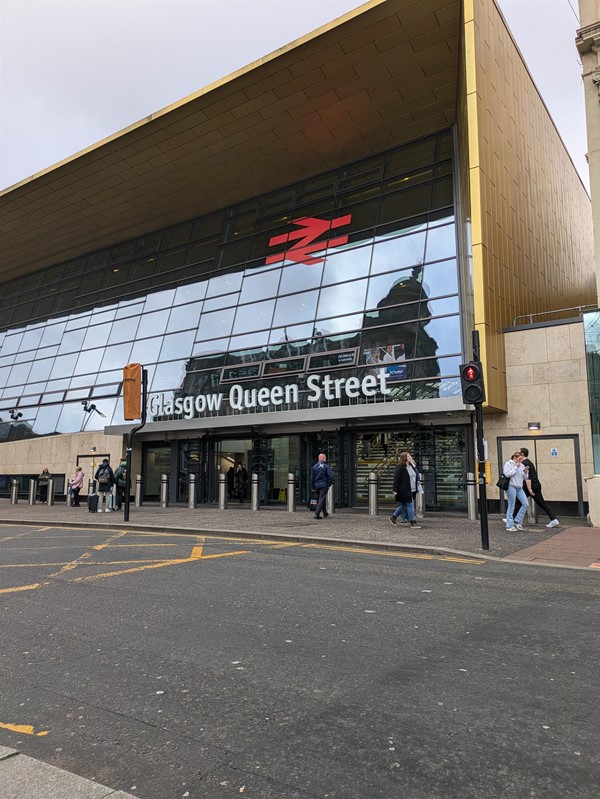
pixel 321 479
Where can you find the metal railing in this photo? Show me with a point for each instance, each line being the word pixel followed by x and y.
pixel 530 316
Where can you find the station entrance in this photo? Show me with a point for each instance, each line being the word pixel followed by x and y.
pixel 442 453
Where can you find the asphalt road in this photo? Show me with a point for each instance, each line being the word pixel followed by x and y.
pixel 179 666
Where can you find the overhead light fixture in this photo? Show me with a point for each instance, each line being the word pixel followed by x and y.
pixel 534 426
pixel 87 408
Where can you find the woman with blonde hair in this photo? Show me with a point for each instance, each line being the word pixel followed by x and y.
pixel 76 485
pixel 517 473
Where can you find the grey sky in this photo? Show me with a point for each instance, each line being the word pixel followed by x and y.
pixel 75 71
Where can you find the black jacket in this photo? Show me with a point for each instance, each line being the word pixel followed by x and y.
pixel 402 484
pixel 533 476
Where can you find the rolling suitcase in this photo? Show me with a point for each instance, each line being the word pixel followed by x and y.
pixel 92 503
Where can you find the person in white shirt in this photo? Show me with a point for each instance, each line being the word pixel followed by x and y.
pixel 517 473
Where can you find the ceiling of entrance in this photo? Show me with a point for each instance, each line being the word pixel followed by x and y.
pixel 380 75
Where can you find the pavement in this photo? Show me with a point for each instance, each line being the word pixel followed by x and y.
pixel 574 544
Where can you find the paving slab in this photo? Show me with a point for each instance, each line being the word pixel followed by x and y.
pixel 23 777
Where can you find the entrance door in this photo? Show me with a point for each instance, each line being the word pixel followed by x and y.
pixel 157 460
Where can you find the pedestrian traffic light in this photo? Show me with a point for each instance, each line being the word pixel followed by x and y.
pixel 132 391
pixel 471 382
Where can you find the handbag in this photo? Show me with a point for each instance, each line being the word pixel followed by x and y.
pixel 503 483
pixel 312 503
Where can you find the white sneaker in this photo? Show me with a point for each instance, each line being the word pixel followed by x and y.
pixel 99 510
pixel 107 510
pixel 504 520
pixel 553 523
pixel 511 529
pixel 519 526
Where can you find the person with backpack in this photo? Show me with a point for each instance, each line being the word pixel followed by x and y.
pixel 105 478
pixel 121 482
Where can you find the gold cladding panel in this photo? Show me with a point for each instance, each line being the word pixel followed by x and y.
pixel 531 215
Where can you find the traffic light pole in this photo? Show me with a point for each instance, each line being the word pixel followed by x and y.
pixel 130 443
pixel 483 514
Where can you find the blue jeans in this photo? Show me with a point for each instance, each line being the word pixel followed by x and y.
pixel 513 495
pixel 406 510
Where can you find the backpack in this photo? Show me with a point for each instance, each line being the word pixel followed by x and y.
pixel 121 476
pixel 104 475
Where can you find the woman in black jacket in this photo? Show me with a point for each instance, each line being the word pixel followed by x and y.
pixel 405 486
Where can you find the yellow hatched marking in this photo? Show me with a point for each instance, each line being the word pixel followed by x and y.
pixel 87 555
pixel 91 577
pixel 126 546
pixel 226 554
pixel 284 546
pixel 21 588
pixel 24 729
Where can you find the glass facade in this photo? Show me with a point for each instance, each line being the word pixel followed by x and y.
pixel 591 331
pixel 352 273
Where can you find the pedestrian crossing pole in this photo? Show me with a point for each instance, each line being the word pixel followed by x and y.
pixel 483 514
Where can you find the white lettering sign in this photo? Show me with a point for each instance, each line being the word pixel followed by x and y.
pixel 320 387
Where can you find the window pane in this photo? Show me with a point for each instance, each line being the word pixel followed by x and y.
pixel 343 297
pixel 441 278
pixel 177 345
pixel 123 330
pixel 256 339
pixel 190 292
pixel 41 369
pixel 347 265
pixel 300 278
pixel 398 253
pixel 63 366
pixel 95 336
pixel 439 337
pixel 31 339
pixel 116 357
pixel 215 325
pixel 184 317
pixel 260 286
pixel 338 324
pixel 403 204
pixel 257 315
pixel 159 300
pixel 146 351
pixel 441 243
pixel 152 324
pixel 224 284
pixel 46 420
pixel 295 308
pixel 19 374
pixel 168 376
pixel 88 362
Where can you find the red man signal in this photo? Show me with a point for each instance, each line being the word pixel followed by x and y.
pixel 471 383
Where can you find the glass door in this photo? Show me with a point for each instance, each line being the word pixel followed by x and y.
pixel 157 461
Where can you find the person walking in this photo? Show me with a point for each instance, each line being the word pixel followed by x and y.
pixel 76 485
pixel 517 473
pixel 106 479
pixel 533 489
pixel 405 489
pixel 241 482
pixel 121 482
pixel 321 478
pixel 43 479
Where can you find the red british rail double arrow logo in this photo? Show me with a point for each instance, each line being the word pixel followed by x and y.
pixel 311 229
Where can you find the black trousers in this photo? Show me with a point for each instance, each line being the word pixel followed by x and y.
pixel 539 500
pixel 76 497
pixel 321 500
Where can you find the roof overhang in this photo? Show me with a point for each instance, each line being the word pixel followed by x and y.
pixel 380 75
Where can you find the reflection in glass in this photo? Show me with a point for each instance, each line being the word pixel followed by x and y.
pixel 11 344
pixel 63 366
pixel 441 243
pixel 47 419
pixel 448 305
pixel 146 350
pixel 256 339
pixel 260 286
pixel 123 330
pixel 151 324
pixel 337 324
pixel 177 345
pixel 41 369
pixel 184 317
pixel 258 315
pixel 31 339
pixel 222 301
pixel 190 292
pixel 295 308
pixel 297 277
pixel 18 374
pixel 224 284
pixel 347 265
pixel 292 333
pixel 445 333
pixel 216 324
pixel 441 278
pixel 159 300
pixel 400 253
pixel 95 336
pixel 115 357
pixel 168 376
pixel 209 352
pixel 345 297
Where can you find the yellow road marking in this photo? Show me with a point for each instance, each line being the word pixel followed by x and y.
pixel 86 555
pixel 417 555
pixel 21 588
pixel 226 554
pixel 126 546
pixel 24 729
pixel 131 571
pixel 196 552
pixel 283 546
